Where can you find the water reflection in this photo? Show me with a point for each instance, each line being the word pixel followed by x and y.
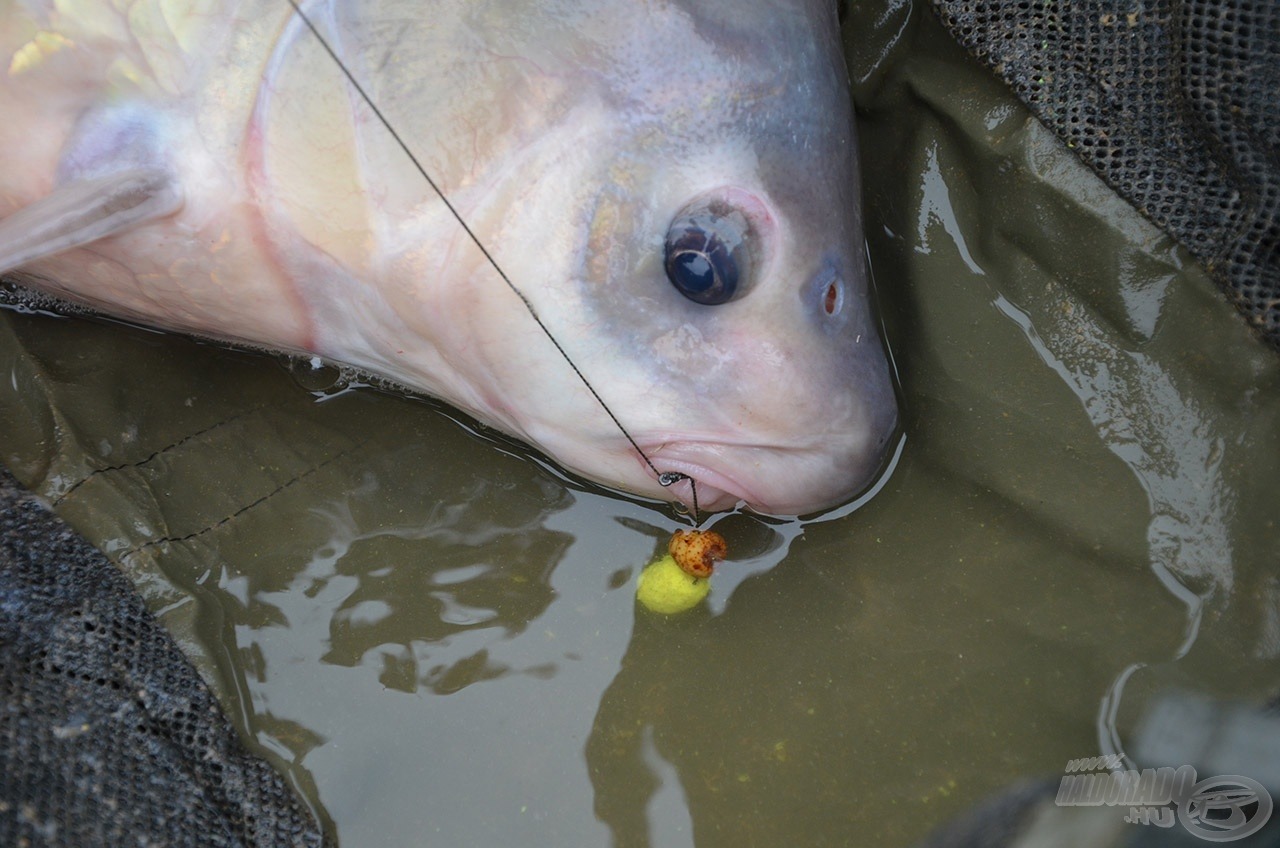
pixel 477 561
pixel 891 664
pixel 1047 270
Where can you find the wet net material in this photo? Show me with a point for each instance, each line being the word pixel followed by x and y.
pixel 1176 105
pixel 108 735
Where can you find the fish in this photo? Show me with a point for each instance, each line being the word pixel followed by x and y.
pixel 625 232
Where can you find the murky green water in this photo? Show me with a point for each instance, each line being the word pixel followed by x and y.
pixel 436 636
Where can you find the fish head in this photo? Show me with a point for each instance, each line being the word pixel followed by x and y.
pixel 673 186
pixel 671 192
pixel 715 288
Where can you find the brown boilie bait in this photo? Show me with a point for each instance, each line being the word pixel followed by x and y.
pixel 697 551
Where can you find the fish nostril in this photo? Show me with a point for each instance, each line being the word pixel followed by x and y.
pixel 833 298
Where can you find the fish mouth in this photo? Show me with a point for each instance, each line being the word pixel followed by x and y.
pixel 770 479
pixel 714 490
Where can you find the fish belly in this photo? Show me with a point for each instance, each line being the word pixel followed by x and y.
pixel 93 89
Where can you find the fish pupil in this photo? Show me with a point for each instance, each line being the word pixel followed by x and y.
pixel 704 255
pixel 696 277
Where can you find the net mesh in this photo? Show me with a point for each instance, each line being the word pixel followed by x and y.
pixel 1175 106
pixel 108 735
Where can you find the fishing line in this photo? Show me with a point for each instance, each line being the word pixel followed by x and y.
pixel 665 478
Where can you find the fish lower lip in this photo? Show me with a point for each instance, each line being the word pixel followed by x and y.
pixel 714 490
pixel 707 497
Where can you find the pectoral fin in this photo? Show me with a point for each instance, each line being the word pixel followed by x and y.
pixel 85 210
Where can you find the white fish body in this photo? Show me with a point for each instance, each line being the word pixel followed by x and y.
pixel 207 167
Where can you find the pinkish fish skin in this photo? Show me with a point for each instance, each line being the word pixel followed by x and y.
pixel 205 167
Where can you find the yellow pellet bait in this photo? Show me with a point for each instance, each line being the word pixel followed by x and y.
pixel 665 588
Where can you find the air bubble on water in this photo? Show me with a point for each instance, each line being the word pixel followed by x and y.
pixel 316 376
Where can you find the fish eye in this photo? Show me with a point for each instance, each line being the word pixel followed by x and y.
pixel 707 253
